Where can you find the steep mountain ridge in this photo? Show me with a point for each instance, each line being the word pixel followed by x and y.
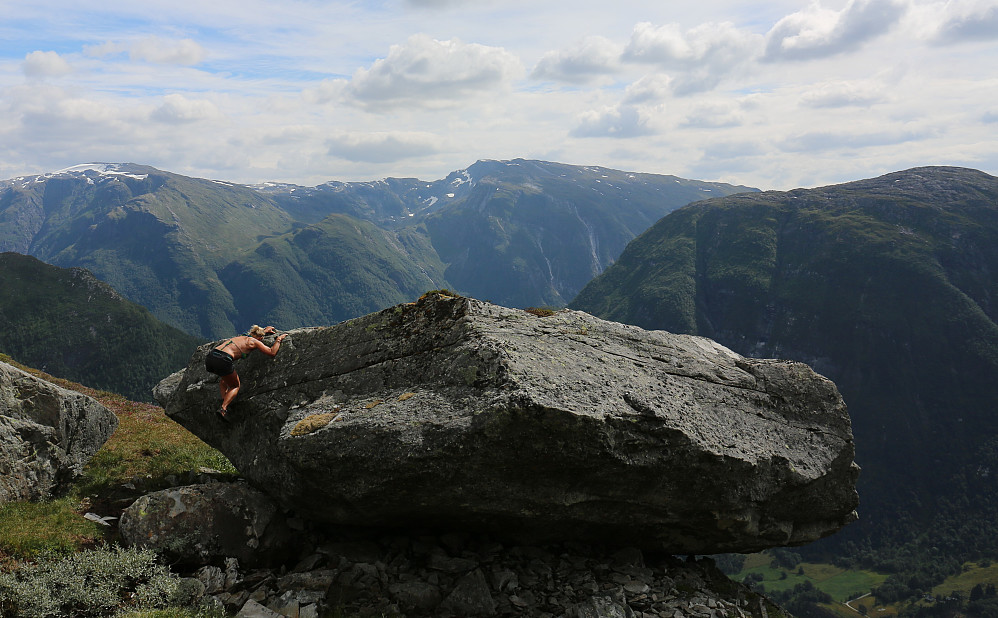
pixel 534 233
pixel 330 271
pixel 887 287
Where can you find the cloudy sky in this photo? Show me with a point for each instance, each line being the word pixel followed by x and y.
pixel 774 95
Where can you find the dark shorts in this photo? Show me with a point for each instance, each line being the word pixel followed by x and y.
pixel 219 363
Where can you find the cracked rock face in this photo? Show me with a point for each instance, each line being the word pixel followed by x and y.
pixel 47 435
pixel 455 413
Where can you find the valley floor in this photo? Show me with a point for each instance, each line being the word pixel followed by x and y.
pixel 851 590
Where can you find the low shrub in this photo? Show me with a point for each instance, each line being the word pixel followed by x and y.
pixel 99 582
pixel 541 312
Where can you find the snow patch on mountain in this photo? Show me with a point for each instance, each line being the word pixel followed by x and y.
pixel 112 169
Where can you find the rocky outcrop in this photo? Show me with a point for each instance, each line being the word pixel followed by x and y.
pixel 455 413
pixel 212 521
pixel 47 435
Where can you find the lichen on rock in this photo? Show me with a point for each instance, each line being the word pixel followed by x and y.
pixel 312 423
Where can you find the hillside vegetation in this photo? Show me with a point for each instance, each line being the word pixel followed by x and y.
pixel 71 325
pixel 55 562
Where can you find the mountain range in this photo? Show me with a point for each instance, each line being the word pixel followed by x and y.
pixel 211 257
pixel 889 287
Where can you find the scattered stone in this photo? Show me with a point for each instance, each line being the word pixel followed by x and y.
pixel 579 582
pixel 252 609
pixel 212 577
pixel 470 597
pixel 601 607
pixel 415 595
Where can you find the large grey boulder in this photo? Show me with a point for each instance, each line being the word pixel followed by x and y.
pixel 455 413
pixel 47 435
pixel 209 522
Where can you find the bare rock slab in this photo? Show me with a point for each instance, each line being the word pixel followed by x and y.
pixel 47 435
pixel 456 413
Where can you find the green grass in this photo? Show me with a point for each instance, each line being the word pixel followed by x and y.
pixel 148 451
pixel 844 585
pixel 841 584
pixel 29 530
pixel 972 575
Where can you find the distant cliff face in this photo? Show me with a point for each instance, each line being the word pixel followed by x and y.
pixel 531 233
pixel 887 286
pixel 212 258
pixel 455 413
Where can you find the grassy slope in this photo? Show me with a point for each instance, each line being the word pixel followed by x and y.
pixel 851 584
pixel 331 271
pixel 158 238
pixel 148 451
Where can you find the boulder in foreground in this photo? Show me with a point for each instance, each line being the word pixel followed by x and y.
pixel 212 521
pixel 47 435
pixel 455 413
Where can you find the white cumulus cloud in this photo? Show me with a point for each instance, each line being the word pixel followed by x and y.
pixel 591 58
pixel 618 121
pixel 844 94
pixel 699 58
pixel 714 115
pixel 967 21
pixel 649 89
pixel 45 64
pixel 426 72
pixel 177 108
pixel 817 32
pixel 154 49
pixel 382 147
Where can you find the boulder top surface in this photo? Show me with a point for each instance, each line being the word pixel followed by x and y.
pixel 453 412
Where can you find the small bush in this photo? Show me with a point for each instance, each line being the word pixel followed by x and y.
pixel 541 312
pixel 441 292
pixel 98 582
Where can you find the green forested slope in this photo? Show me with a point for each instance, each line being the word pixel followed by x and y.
pixel 158 238
pixel 67 323
pixel 888 286
pixel 331 271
